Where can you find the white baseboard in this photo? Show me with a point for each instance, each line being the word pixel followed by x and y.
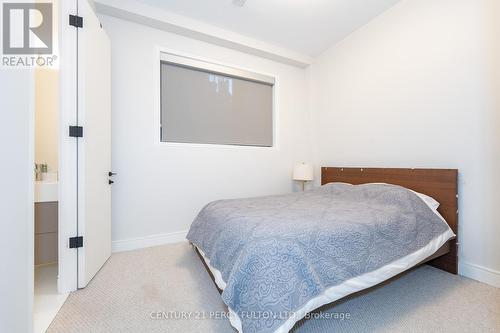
pixel 148 241
pixel 480 273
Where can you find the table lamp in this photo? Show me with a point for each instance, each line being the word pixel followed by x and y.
pixel 303 172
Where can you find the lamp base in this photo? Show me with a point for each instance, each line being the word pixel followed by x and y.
pixel 303 184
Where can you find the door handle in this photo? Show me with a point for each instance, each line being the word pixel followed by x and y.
pixel 111 174
pixel 110 182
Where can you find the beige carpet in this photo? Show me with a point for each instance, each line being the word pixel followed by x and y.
pixel 166 289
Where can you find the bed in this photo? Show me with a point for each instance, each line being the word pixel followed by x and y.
pixel 277 258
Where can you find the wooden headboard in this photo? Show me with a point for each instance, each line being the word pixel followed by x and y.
pixel 441 184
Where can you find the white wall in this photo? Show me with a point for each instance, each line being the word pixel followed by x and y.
pixel 47 117
pixel 416 87
pixel 16 199
pixel 159 187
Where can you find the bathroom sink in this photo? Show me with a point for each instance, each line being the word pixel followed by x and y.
pixel 46 191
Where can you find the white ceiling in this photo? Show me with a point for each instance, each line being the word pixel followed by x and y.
pixel 305 26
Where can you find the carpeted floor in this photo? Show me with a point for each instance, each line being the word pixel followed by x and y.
pixel 166 289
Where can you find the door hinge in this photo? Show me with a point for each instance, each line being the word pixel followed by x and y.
pixel 75 242
pixel 76 21
pixel 76 131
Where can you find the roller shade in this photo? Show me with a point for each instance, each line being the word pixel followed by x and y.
pixel 212 107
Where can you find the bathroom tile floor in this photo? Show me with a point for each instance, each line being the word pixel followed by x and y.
pixel 47 301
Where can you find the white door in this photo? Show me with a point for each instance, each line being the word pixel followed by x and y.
pixel 94 149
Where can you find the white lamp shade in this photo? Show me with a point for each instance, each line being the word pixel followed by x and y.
pixel 303 172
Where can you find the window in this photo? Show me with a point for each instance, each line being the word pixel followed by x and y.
pixel 207 103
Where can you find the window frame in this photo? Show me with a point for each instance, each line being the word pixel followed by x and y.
pixel 259 76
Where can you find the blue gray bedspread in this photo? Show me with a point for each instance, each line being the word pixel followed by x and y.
pixel 275 253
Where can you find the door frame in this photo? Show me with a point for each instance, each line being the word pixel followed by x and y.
pixel 68 172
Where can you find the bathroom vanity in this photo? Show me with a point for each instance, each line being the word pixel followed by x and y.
pixel 46 222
